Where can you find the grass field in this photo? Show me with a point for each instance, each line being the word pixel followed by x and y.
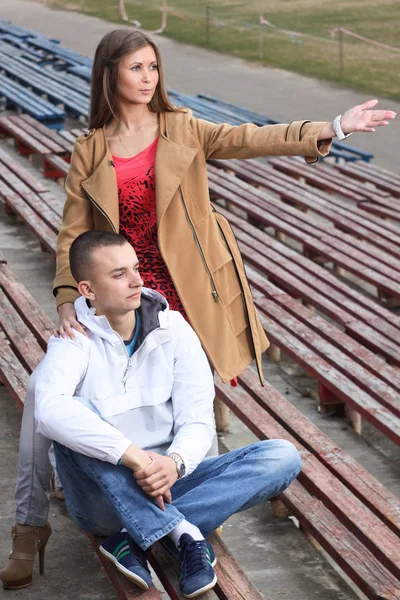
pixel 234 29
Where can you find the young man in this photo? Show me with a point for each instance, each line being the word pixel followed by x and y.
pixel 130 409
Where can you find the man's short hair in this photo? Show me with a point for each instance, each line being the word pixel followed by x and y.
pixel 80 252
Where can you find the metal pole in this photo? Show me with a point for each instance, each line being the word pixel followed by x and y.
pixel 260 41
pixel 208 20
pixel 341 53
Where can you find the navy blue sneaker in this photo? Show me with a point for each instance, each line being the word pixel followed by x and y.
pixel 129 559
pixel 173 550
pixel 197 573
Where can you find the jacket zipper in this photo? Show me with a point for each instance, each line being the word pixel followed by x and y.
pixel 214 289
pixel 99 208
pixel 126 373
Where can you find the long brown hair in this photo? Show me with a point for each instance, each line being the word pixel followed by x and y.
pixel 104 83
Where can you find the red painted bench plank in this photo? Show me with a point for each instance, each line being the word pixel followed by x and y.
pixel 362 175
pixel 49 133
pixel 281 221
pixel 298 282
pixel 25 305
pixel 33 132
pixel 354 350
pixel 382 211
pixel 351 300
pixel 30 180
pixel 332 379
pixel 363 485
pixel 319 481
pixel 33 146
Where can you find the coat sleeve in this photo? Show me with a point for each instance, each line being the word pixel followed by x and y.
pixel 77 218
pixel 192 396
pixel 299 138
pixel 60 415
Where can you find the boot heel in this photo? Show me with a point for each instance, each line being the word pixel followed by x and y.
pixel 41 559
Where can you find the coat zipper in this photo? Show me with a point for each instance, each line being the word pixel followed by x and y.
pixel 126 373
pixel 99 208
pixel 196 239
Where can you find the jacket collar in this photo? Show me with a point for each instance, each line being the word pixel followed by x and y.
pixel 172 162
pixel 153 310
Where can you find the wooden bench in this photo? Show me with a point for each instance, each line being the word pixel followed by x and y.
pixel 32 137
pixel 308 231
pixel 329 498
pixel 75 103
pixel 324 177
pixel 375 176
pixel 57 52
pixel 14 95
pixel 24 331
pixel 345 218
pixel 30 200
pixel 373 199
pixel 68 80
pixel 361 318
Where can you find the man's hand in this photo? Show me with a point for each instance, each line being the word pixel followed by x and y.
pixel 158 478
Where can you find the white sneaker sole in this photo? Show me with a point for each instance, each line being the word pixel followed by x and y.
pixel 202 590
pixel 135 578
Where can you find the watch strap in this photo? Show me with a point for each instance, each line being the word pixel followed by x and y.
pixel 337 128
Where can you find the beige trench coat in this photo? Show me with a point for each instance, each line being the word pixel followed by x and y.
pixel 195 242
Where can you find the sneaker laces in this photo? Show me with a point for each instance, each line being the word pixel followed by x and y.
pixel 194 557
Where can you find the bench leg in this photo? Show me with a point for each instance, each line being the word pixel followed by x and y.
pixel 389 301
pixel 255 222
pixel 338 270
pixel 281 236
pixel 221 412
pixel 355 419
pixel 279 509
pixel 328 399
pixel 274 353
pixel 309 536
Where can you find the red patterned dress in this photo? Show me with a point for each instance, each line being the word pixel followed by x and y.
pixel 138 220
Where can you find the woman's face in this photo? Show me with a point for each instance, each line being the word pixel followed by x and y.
pixel 138 76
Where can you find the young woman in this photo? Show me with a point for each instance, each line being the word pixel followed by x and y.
pixel 141 171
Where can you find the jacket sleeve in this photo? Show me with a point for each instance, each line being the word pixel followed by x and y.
pixel 64 418
pixel 192 396
pixel 299 138
pixel 77 218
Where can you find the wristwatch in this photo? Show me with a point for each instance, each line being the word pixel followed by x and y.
pixel 180 465
pixel 338 129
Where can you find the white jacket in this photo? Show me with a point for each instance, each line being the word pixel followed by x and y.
pixel 91 397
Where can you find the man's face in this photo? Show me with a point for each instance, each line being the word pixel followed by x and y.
pixel 115 285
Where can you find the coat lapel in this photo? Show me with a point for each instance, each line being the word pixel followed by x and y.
pixel 172 163
pixel 102 186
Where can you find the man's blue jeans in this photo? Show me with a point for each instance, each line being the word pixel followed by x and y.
pixel 102 498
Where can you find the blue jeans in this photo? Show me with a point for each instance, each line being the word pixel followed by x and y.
pixel 102 498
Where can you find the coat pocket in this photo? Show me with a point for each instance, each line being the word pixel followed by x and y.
pixel 216 245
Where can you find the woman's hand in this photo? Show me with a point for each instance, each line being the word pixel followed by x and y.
pixel 67 322
pixel 360 118
pixel 363 118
